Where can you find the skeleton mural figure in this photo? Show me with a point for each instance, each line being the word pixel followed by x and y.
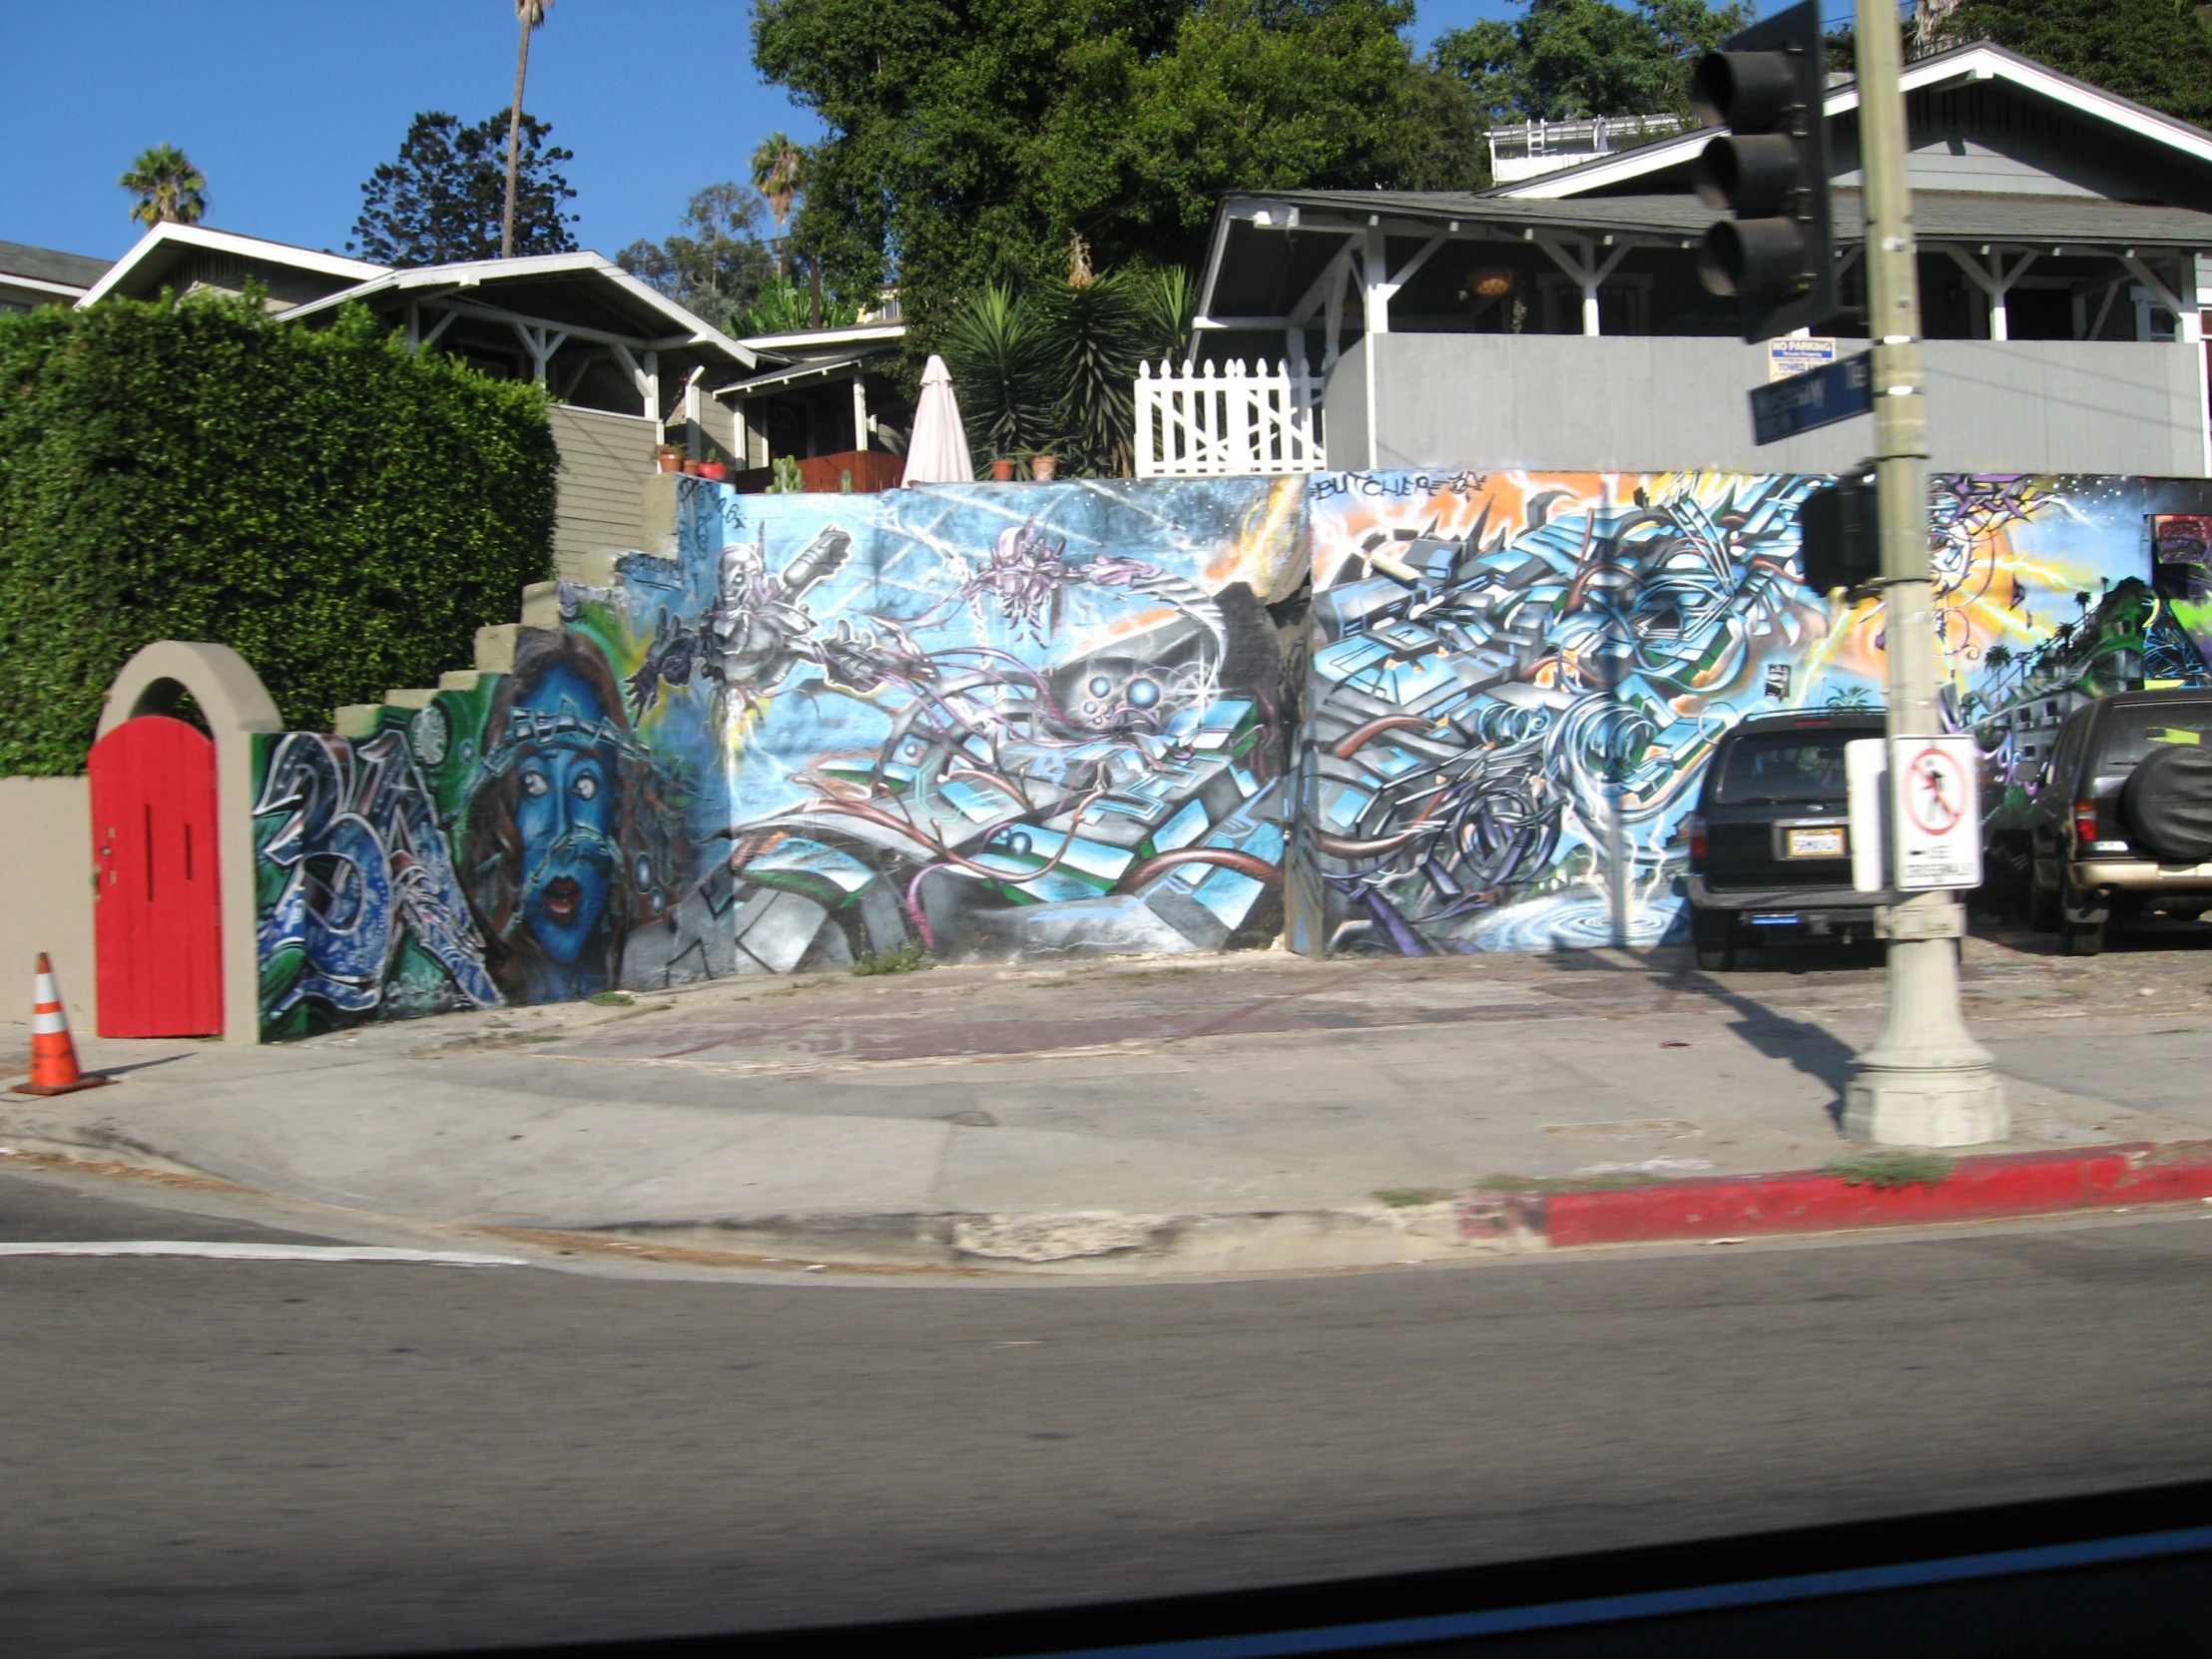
pixel 756 632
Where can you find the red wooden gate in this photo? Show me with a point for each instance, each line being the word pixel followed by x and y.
pixel 158 925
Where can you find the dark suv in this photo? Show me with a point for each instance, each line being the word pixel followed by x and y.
pixel 2118 822
pixel 1770 847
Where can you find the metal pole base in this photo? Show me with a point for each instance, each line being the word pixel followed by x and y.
pixel 1925 1082
pixel 1926 1108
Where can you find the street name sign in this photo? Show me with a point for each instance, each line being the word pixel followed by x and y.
pixel 1935 812
pixel 1819 397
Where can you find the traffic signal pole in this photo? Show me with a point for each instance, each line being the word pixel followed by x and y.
pixel 1926 1081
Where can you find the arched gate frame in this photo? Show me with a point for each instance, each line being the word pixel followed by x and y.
pixel 236 705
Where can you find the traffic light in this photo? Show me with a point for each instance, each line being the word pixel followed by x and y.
pixel 1770 170
pixel 1838 543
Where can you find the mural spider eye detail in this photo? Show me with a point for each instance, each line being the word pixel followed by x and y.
pixel 533 783
pixel 1100 685
pixel 586 786
pixel 1142 694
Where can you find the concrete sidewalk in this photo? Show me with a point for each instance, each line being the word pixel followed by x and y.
pixel 1184 1115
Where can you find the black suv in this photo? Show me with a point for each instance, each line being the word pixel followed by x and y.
pixel 1770 847
pixel 2118 822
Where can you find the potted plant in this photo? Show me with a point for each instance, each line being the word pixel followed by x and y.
pixel 714 472
pixel 1044 467
pixel 1002 470
pixel 669 456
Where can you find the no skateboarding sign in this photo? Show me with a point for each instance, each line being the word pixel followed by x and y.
pixel 1936 813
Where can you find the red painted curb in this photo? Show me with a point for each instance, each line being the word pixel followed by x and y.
pixel 1806 1201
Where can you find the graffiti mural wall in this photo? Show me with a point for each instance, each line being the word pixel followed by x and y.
pixel 974 721
pixel 988 721
pixel 1517 678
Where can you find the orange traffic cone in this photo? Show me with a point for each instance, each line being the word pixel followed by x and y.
pixel 53 1056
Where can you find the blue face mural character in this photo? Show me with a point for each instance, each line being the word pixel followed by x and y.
pixel 552 823
pixel 564 812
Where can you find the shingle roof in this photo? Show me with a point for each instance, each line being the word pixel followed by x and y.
pixel 46 264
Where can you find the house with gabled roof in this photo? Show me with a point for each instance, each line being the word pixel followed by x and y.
pixel 1557 320
pixel 627 367
pixel 34 277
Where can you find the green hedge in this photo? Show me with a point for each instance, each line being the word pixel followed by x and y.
pixel 341 511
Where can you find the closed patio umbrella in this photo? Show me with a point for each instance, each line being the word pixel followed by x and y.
pixel 937 453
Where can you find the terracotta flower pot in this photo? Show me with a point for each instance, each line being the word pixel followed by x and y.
pixel 1044 468
pixel 691 469
pixel 670 462
pixel 1002 472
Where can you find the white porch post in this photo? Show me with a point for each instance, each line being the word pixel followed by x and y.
pixel 694 432
pixel 1586 270
pixel 859 410
pixel 541 343
pixel 1381 284
pixel 2190 325
pixel 1374 274
pixel 2185 306
pixel 1337 275
pixel 1995 283
pixel 1374 277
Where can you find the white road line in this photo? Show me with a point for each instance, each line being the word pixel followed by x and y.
pixel 221 1252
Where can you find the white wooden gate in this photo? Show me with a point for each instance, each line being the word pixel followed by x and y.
pixel 1213 422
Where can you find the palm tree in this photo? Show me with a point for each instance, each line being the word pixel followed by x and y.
pixel 780 173
pixel 531 15
pixel 171 190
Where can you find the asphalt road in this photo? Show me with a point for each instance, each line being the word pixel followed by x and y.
pixel 249 1457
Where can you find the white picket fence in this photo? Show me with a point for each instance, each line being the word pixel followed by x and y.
pixel 1214 422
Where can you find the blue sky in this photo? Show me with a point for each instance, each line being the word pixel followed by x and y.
pixel 287 108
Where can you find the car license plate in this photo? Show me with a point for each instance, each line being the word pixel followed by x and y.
pixel 1825 841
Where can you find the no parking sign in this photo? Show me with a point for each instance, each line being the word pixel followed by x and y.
pixel 1936 813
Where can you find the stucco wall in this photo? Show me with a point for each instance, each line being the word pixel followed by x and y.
pixel 1648 403
pixel 46 894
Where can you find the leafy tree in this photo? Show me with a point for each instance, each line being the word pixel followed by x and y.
pixel 2153 50
pixel 713 264
pixel 1563 59
pixel 169 189
pixel 444 198
pixel 968 139
pixel 1440 140
pixel 530 14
